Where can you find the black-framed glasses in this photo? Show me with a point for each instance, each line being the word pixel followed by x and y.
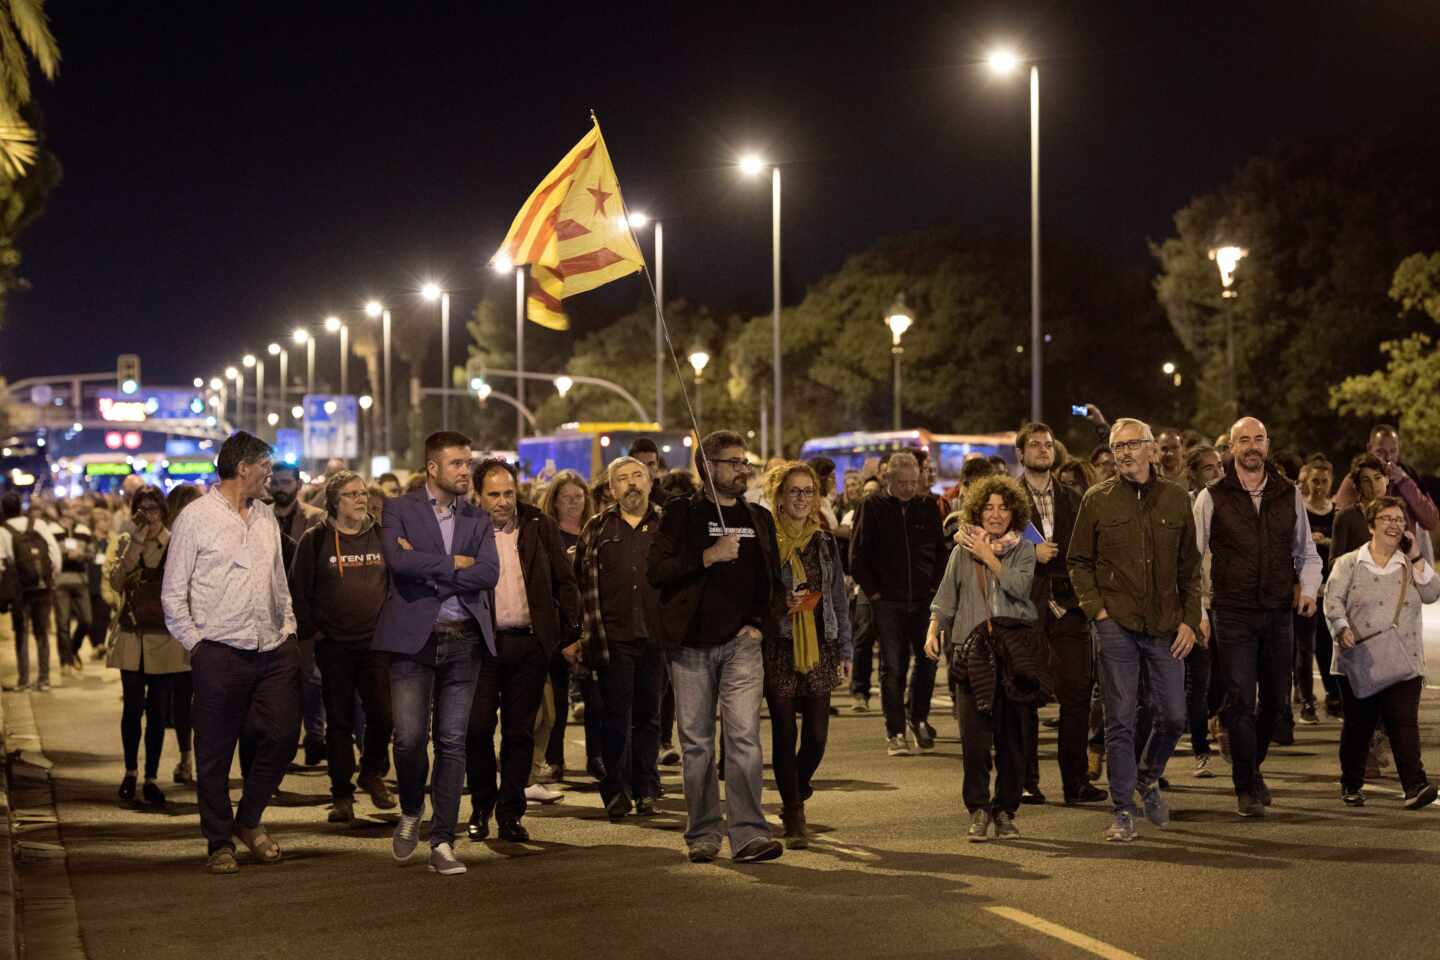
pixel 736 462
pixel 1129 446
pixel 356 495
pixel 801 494
pixel 1390 521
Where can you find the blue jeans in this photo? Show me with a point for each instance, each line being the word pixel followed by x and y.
pixel 444 672
pixel 731 675
pixel 1122 654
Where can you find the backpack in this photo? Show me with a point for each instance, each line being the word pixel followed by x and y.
pixel 34 570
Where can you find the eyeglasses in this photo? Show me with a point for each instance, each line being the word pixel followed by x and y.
pixel 1390 521
pixel 1129 446
pixel 736 462
pixel 356 495
pixel 801 494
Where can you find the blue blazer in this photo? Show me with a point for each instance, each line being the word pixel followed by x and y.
pixel 422 578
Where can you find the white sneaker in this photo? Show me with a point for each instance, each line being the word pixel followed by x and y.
pixel 1202 766
pixel 539 793
pixel 898 746
pixel 443 861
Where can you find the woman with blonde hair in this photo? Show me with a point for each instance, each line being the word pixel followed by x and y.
pixel 812 651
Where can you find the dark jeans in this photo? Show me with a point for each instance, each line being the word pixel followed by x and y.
pixel 560 684
pixel 237 690
pixel 631 686
pixel 99 624
pixel 508 689
pixel 72 602
pixel 862 627
pixel 1313 647
pixel 901 627
pixel 793 769
pixel 182 702
pixel 1197 699
pixel 442 672
pixel 143 695
pixel 31 614
pixel 348 670
pixel 1399 707
pixel 1256 651
pixel 1070 641
pixel 1003 731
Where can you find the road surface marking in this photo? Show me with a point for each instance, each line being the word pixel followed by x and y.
pixel 1072 937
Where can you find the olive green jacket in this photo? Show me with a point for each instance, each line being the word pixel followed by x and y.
pixel 1134 555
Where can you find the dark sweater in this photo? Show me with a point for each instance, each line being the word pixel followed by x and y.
pixel 340 599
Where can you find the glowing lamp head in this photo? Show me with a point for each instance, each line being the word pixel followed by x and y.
pixel 699 359
pixel 483 391
pixel 502 263
pixel 216 383
pixel 272 418
pixel 298 412
pixel 332 323
pixel 232 374
pixel 752 164
pixel 563 385
pixel 476 383
pixel 273 349
pixel 373 309
pixel 1002 61
pixel 199 383
pixel 1227 258
pixel 300 335
pixel 899 318
pixel 431 292
pixel 638 220
pixel 1167 368
pixel 331 406
pixel 366 401
pixel 248 360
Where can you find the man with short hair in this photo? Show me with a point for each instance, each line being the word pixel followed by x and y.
pixel 227 602
pixel 1054 507
pixel 1136 572
pixel 537 612
pixel 620 638
pixel 34 584
pixel 898 554
pixel 1402 481
pixel 389 483
pixel 1102 459
pixel 1253 522
pixel 1171 448
pixel 716 565
pixel 440 551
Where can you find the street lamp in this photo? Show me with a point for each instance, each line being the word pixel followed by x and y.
pixel 638 221
pixel 301 335
pixel 275 350
pixel 199 383
pixel 375 309
pixel 333 324
pixel 298 412
pixel 1227 258
pixel 563 385
pixel 898 318
pixel 698 360
pixel 432 292
pixel 239 380
pixel 1004 61
pixel 752 165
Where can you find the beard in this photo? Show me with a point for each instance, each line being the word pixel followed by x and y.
pixel 282 498
pixel 632 499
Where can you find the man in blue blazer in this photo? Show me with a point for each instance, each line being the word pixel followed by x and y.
pixel 440 551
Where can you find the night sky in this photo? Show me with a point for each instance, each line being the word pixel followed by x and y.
pixel 231 170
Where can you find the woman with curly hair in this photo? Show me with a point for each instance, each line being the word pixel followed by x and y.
pixel 812 650
pixel 989 575
pixel 568 501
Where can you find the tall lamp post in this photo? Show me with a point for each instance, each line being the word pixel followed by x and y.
pixel 432 292
pixel 1227 258
pixel 375 309
pixel 898 318
pixel 333 324
pixel 563 384
pixel 698 360
pixel 301 335
pixel 238 378
pixel 752 165
pixel 275 350
pixel 503 265
pixel 248 361
pixel 1005 62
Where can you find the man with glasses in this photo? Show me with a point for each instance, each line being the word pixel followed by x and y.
pixel 1253 522
pixel 227 601
pixel 715 563
pixel 1136 571
pixel 898 552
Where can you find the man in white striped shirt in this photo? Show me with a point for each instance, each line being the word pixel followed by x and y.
pixel 227 601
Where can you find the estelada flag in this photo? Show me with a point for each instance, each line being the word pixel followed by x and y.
pixel 573 232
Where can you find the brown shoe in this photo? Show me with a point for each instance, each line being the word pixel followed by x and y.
pixel 380 793
pixel 222 862
pixel 793 819
pixel 261 847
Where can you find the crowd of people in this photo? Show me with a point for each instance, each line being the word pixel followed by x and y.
pixel 1162 587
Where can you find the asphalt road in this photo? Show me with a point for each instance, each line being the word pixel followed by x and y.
pixel 890 873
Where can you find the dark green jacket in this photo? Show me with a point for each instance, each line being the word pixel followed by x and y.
pixel 1133 554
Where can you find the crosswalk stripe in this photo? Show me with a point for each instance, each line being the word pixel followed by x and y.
pixel 1076 939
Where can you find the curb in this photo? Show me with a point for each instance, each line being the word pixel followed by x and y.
pixel 9 888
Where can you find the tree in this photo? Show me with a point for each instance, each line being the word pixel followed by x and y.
pixel 1324 223
pixel 24 28
pixel 1405 389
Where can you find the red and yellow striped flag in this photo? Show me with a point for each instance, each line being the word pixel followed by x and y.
pixel 573 232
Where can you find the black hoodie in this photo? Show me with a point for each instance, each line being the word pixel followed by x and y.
pixel 337 593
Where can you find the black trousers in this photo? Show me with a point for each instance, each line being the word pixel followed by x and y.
pixel 508 690
pixel 182 703
pixel 1197 699
pixel 1257 653
pixel 1313 647
pixel 560 684
pixel 1001 734
pixel 235 691
pixel 345 671
pixel 809 718
pixel 862 629
pixel 144 696
pixel 631 688
pixel 1070 640
pixel 901 627
pixel 1399 707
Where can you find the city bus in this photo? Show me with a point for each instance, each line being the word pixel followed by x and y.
pixel 947 451
pixel 588 448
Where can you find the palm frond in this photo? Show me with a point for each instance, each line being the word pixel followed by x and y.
pixel 14 71
pixel 34 26
pixel 17 146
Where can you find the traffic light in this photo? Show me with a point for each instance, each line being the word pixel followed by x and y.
pixel 127 373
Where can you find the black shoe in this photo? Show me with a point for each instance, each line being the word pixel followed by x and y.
pixel 127 787
pixel 314 751
pixel 1248 805
pixel 512 832
pixel 669 756
pixel 479 827
pixel 1334 708
pixel 1164 784
pixel 153 794
pixel 924 735
pixel 758 851
pixel 645 807
pixel 1089 793
pixel 1352 798
pixel 1032 795
pixel 1262 792
pixel 1308 715
pixel 596 768
pixel 1050 722
pixel 1422 797
pixel 618 807
pixel 1284 731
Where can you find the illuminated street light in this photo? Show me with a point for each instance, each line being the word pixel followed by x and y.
pixel 476 383
pixel 273 349
pixel 502 264
pixel 638 220
pixel 563 385
pixel 431 292
pixel 373 309
pixel 484 392
pixel 332 324
pixel 1168 368
pixel 215 383
pixel 272 418
pixel 232 374
pixel 698 361
pixel 1002 61
pixel 248 360
pixel 300 335
pixel 752 164
pixel 366 401
pixel 199 383
pixel 1227 258
pixel 298 412
pixel 898 318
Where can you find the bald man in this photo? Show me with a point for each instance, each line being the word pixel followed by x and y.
pixel 1253 522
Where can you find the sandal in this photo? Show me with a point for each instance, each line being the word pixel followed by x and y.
pixel 222 862
pixel 261 847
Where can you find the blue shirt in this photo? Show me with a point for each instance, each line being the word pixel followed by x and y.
pixel 451 610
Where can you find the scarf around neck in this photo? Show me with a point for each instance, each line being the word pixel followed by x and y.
pixel 792 538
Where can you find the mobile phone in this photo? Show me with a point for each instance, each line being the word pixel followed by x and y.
pixel 1079 409
pixel 802 587
pixel 1407 543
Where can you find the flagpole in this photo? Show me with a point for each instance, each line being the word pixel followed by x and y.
pixel 519 352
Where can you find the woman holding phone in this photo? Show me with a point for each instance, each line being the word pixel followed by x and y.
pixel 812 651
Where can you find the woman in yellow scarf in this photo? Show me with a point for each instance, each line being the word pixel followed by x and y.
pixel 812 651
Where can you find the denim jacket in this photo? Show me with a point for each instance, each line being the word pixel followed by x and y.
pixel 835 604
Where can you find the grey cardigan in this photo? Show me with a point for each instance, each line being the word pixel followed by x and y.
pixel 1358 598
pixel 959 604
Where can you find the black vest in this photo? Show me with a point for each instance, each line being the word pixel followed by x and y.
pixel 1252 554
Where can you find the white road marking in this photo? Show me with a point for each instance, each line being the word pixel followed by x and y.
pixel 1065 934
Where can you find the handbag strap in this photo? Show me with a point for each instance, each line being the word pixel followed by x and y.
pixel 985 593
pixel 1404 586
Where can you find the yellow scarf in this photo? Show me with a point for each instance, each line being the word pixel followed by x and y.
pixel 792 539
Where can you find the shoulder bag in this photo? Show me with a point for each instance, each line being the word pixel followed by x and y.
pixel 1381 659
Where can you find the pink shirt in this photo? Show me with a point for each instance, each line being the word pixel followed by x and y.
pixel 512 606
